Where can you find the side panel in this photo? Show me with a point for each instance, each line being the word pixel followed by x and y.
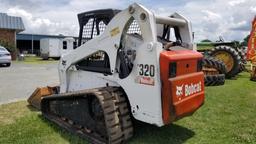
pixel 144 91
pixel 54 47
pixel 44 46
pixel 81 80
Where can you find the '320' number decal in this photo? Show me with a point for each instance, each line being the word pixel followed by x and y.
pixel 146 70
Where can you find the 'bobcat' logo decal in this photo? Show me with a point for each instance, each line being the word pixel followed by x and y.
pixel 179 90
pixel 188 89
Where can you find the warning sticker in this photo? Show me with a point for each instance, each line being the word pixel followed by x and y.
pixel 114 31
pixel 145 80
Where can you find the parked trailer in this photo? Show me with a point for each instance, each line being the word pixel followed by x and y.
pixel 50 48
pixel 67 45
pixel 54 48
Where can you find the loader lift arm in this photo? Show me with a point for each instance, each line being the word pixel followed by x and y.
pixel 113 35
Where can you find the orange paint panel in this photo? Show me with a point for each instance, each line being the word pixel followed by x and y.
pixel 36 96
pixel 173 106
pixel 192 87
pixel 186 66
pixel 251 51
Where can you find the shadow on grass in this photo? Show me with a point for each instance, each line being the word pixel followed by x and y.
pixel 46 60
pixel 143 133
pixel 150 134
pixel 33 109
pixel 68 136
pixel 244 75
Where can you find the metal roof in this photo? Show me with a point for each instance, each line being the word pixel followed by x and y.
pixel 24 36
pixel 11 22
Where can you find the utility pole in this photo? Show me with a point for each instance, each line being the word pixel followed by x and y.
pixel 32 43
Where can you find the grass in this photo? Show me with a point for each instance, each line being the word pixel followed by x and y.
pixel 203 47
pixel 228 116
pixel 36 60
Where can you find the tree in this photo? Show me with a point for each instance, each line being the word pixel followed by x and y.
pixel 206 40
pixel 245 41
pixel 10 47
pixel 235 43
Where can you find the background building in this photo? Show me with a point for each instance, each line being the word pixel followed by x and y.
pixel 9 27
pixel 16 42
pixel 30 43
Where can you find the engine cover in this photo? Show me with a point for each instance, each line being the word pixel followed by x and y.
pixel 182 83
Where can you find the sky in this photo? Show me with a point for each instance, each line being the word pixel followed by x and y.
pixel 210 19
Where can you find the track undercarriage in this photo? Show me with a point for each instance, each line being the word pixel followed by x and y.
pixel 100 115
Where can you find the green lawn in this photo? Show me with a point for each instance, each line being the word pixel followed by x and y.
pixel 228 116
pixel 36 60
pixel 202 47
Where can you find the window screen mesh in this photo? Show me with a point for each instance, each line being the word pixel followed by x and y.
pixel 102 27
pixel 92 27
pixel 134 28
pixel 87 30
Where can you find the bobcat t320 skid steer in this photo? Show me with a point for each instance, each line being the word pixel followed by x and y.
pixel 130 63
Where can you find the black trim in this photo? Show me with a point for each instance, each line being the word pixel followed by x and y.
pixel 95 65
pixel 124 69
pixel 199 65
pixel 172 69
pixel 177 34
pixel 104 15
pixel 95 69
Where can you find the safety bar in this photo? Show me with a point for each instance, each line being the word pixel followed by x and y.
pixel 170 21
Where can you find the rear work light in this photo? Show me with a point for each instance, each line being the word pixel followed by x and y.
pixel 172 69
pixel 199 65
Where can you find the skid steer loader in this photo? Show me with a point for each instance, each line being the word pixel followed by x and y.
pixel 127 65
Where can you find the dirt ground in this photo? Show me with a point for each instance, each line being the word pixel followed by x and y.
pixel 20 80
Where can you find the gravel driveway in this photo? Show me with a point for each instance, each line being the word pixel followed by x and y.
pixel 20 80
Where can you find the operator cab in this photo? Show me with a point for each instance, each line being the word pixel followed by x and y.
pixel 175 37
pixel 93 23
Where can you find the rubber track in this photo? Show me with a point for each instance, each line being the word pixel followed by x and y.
pixel 123 112
pixel 214 80
pixel 116 113
pixel 212 62
pixel 237 59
